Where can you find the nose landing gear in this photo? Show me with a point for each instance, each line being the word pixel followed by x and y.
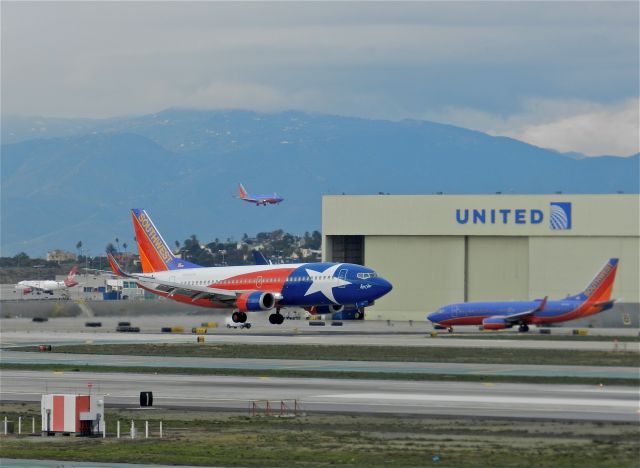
pixel 523 328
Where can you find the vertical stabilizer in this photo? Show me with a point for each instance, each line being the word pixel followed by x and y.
pixel 155 254
pixel 71 277
pixel 243 192
pixel 600 288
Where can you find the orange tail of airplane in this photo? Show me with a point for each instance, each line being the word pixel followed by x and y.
pixel 155 254
pixel 243 192
pixel 601 286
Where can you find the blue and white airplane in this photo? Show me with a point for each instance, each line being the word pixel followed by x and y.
pixel 499 315
pixel 320 287
pixel 259 199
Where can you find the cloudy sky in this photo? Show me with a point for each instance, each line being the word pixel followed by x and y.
pixel 561 75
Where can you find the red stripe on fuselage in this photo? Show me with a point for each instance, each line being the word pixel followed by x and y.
pixel 272 281
pixel 264 280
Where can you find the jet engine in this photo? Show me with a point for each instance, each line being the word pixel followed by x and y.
pixel 330 309
pixel 256 300
pixel 495 323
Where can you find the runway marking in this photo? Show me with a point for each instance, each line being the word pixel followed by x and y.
pixel 483 399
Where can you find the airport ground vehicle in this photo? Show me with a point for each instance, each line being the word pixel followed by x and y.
pixel 231 324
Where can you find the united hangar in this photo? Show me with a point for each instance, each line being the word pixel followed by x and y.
pixel 441 249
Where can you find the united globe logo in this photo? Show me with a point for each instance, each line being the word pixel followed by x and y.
pixel 560 216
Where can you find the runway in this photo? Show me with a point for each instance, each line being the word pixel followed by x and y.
pixel 168 362
pixel 570 402
pixel 35 337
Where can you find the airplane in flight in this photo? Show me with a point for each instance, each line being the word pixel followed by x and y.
pixel 595 298
pixel 325 287
pixel 259 199
pixel 48 286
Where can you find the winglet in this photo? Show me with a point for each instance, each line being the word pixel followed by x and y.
pixel 116 268
pixel 543 304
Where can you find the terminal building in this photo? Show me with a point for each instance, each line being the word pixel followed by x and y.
pixel 442 249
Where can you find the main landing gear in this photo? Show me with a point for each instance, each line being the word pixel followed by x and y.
pixel 277 318
pixel 239 317
pixel 523 328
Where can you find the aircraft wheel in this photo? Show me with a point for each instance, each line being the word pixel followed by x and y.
pixel 243 317
pixel 273 319
pixel 235 317
pixel 524 328
pixel 280 319
pixel 450 329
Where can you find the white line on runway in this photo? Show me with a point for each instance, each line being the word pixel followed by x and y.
pixel 482 399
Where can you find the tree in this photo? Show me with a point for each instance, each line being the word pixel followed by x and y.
pixel 124 246
pixel 118 243
pixel 110 248
pixel 79 247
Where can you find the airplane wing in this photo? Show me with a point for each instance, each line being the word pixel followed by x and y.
pixel 515 318
pixel 95 271
pixel 194 291
pixel 34 288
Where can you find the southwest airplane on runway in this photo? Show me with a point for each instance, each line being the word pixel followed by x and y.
pixel 319 287
pixel 499 315
pixel 259 199
pixel 48 286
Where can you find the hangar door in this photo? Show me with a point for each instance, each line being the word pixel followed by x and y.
pixel 427 272
pixel 497 268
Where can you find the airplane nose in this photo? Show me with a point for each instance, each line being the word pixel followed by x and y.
pixel 384 286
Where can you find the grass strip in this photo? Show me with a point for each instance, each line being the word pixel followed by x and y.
pixel 291 373
pixel 363 353
pixel 538 337
pixel 315 440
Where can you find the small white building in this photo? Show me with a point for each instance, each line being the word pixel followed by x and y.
pixel 72 414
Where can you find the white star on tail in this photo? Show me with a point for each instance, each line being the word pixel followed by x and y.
pixel 325 286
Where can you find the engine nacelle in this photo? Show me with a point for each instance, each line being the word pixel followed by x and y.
pixel 256 300
pixel 349 313
pixel 495 323
pixel 330 309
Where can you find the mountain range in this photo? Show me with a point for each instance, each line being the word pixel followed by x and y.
pixel 65 180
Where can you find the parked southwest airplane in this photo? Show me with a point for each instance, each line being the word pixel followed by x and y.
pixel 499 315
pixel 321 287
pixel 48 286
pixel 259 199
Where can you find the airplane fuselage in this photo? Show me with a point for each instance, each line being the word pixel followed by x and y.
pixel 47 286
pixel 263 199
pixel 302 284
pixel 473 313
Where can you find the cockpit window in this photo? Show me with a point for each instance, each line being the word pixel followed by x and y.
pixel 366 275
